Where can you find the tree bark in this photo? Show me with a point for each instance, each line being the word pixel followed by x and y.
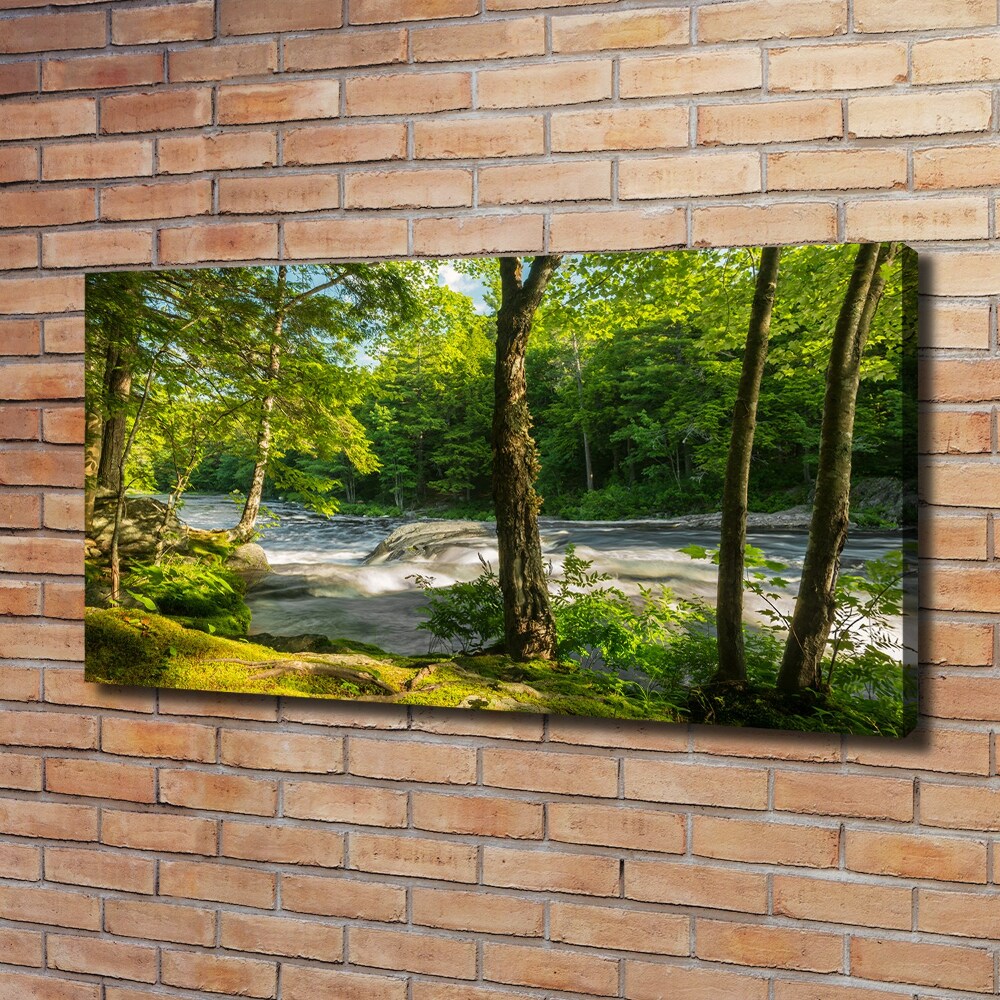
pixel 729 601
pixel 251 507
pixel 587 460
pixel 93 433
pixel 529 628
pixel 117 390
pixel 814 607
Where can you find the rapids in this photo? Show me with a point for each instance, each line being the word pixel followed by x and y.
pixel 321 582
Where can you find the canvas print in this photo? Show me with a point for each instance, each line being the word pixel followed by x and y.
pixel 675 486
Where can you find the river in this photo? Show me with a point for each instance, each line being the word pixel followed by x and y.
pixel 320 582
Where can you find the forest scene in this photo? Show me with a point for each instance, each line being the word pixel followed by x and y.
pixel 668 485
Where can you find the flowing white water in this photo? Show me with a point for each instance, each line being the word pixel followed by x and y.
pixel 320 584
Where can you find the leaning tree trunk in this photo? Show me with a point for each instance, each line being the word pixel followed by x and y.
pixel 529 628
pixel 117 390
pixel 91 462
pixel 251 508
pixel 814 611
pixel 729 603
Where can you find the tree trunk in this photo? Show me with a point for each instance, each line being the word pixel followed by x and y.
pixel 529 628
pixel 578 372
pixel 117 390
pixel 251 508
pixel 729 603
pixel 814 607
pixel 91 462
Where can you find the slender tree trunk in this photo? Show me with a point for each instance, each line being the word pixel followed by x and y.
pixel 814 607
pixel 251 508
pixel 529 628
pixel 115 558
pixel 117 390
pixel 94 431
pixel 729 601
pixel 578 372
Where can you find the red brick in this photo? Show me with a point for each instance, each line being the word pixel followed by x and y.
pixel 468 138
pixel 299 982
pixel 270 195
pixel 97 248
pixel 353 143
pixel 442 188
pixel 955 433
pixel 696 884
pixel 836 67
pixel 64 335
pixel 940 218
pixel 550 871
pixel 137 69
pixel 47 729
pixel 339 897
pixel 948 536
pixel 922 963
pixel 771 121
pixel 175 22
pixel 20 337
pixel 919 114
pixel 218 883
pixel 45 467
pixel 21 772
pixel 925 749
pixel 282 844
pixel 251 17
pixel 102 869
pixel 243 977
pixel 278 102
pixel 18 423
pixel 223 704
pixel 550 968
pixel 40 295
pixel 226 151
pixel 486 817
pixel 372 48
pixel 158 831
pixel 412 761
pixel 31 987
pixel 37 906
pixel 617 229
pixel 547 771
pixel 156 201
pixel 18 250
pixel 965 914
pixel 275 751
pixel 218 792
pixel 160 922
pixel 542 85
pixel 956 643
pixel 660 781
pixel 944 167
pixel 20 947
pixel 408 93
pixel 64 600
pixel 836 170
pixel 916 15
pixel 413 952
pixel 747 19
pixel 478 912
pixel 760 842
pixel 78 160
pixel 38 207
pixel 714 72
pixel 419 857
pixel 623 128
pixel 342 803
pixel 626 30
pixel 18 163
pixel 156 111
pixel 644 981
pixel 99 779
pixel 19 78
pixel 768 947
pixel 49 32
pixel 839 902
pixel 785 223
pixel 380 11
pixel 281 936
pixel 343 237
pixel 480 41
pixel 620 929
pixel 950 859
pixel 486 234
pixel 68 687
pixel 224 62
pixel 222 241
pixel 21 861
pixel 174 740
pixel 826 794
pixel 961 807
pixel 20 683
pixel 956 60
pixel 63 426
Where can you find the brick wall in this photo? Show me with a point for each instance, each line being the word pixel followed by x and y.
pixel 184 845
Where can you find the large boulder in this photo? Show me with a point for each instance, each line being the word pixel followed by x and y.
pixel 148 530
pixel 424 539
pixel 249 563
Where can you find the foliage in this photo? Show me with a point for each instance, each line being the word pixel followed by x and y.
pixel 468 617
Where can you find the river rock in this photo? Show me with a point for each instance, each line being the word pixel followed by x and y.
pixel 249 562
pixel 423 538
pixel 147 530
